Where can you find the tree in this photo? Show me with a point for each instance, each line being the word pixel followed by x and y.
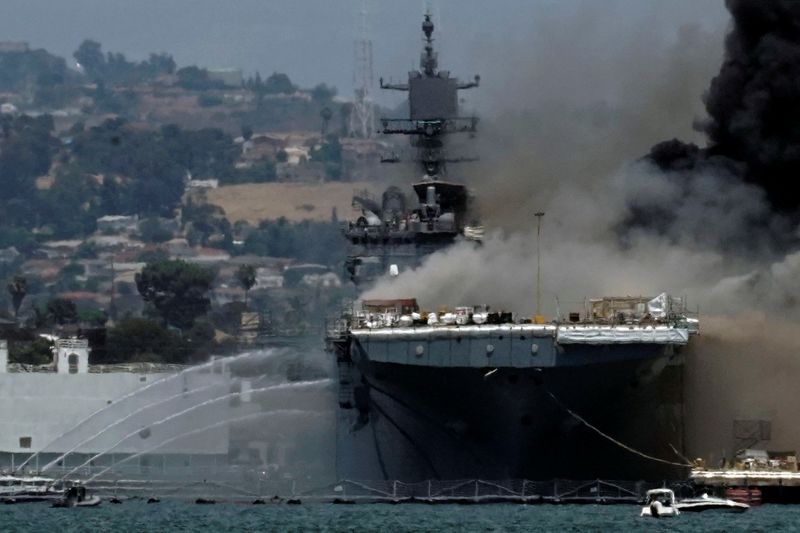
pixel 177 290
pixel 326 115
pixel 90 56
pixel 18 288
pixel 139 339
pixel 152 230
pixel 323 93
pixel 279 83
pixel 38 351
pixel 62 311
pixel 246 274
pixel 197 79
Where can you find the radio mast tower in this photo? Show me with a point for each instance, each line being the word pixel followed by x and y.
pixel 362 116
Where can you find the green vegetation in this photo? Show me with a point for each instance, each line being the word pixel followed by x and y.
pixel 39 74
pixel 144 170
pixel 197 79
pixel 115 69
pixel 330 153
pixel 261 172
pixel 58 179
pixel 246 275
pixel 178 291
pixel 18 289
pixel 317 242
pixel 62 311
pixel 152 230
pixel 205 221
pixel 276 83
pixel 31 351
pixel 141 339
pixel 26 152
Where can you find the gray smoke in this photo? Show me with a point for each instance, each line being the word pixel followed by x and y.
pixel 569 143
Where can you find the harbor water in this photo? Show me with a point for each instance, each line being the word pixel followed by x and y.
pixel 136 515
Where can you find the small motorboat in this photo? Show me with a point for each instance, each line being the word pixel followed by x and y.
pixel 660 503
pixel 710 503
pixel 76 497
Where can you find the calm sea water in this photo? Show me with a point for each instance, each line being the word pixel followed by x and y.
pixel 181 516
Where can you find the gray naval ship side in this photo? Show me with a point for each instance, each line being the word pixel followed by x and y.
pixel 468 393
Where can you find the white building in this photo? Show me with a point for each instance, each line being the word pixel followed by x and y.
pixel 51 412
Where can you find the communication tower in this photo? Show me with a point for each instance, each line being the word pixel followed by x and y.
pixel 362 116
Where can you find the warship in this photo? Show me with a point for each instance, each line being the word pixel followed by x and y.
pixel 468 392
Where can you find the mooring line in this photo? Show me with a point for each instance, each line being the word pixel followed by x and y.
pixel 622 445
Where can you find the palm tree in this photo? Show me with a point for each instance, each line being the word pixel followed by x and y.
pixel 247 277
pixel 18 288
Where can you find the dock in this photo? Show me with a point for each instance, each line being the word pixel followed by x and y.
pixel 771 486
pixel 745 478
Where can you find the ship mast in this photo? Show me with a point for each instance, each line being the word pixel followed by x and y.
pixel 433 105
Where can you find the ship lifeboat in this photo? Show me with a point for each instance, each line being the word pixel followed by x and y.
pixel 749 495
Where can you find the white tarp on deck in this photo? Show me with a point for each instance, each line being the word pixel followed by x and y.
pixel 622 335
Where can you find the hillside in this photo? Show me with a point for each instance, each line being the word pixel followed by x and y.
pixel 262 201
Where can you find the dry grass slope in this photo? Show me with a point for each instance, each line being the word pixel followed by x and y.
pixel 254 202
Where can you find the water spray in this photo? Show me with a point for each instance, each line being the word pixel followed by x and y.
pixel 293 412
pixel 55 461
pixel 196 407
pixel 76 427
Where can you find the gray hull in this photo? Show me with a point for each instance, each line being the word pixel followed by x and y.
pixel 416 422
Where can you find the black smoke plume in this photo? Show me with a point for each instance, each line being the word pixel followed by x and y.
pixel 753 130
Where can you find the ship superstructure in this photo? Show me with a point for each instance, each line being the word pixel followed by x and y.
pixel 394 230
pixel 469 392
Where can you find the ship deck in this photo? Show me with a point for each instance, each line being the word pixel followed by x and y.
pixel 560 333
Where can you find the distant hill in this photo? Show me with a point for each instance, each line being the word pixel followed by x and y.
pixel 254 202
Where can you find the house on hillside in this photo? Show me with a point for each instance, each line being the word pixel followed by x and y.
pixel 110 224
pixel 207 256
pixel 61 249
pixel 202 184
pixel 114 242
pixel 262 146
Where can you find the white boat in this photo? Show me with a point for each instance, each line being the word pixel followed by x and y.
pixel 20 488
pixel 710 503
pixel 660 503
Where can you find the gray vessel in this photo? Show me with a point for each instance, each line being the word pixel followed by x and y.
pixel 466 392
